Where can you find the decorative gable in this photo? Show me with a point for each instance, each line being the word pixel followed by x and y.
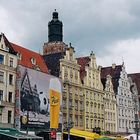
pixel 5 45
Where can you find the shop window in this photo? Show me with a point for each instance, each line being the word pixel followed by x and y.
pixel 9 116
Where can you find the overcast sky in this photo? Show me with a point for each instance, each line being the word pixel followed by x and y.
pixel 109 28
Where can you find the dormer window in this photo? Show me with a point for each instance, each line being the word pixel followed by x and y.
pixel 7 49
pixel 19 55
pixel 33 61
pixel 2 46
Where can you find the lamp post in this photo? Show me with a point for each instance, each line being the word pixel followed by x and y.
pixel 68 124
pixel 135 99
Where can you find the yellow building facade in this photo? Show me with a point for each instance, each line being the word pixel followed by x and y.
pixel 93 93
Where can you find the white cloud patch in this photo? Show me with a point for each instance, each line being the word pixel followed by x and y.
pixel 126 51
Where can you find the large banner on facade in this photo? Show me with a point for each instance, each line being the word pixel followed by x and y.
pixel 38 100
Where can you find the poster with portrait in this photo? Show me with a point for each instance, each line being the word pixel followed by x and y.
pixel 38 100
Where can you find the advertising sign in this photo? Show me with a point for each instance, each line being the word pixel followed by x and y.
pixel 38 100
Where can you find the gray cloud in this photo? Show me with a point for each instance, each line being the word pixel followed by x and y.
pixel 89 25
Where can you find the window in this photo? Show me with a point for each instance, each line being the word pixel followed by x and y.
pixel 10 97
pixel 0 113
pixel 1 77
pixel 1 59
pixel 19 55
pixel 87 123
pixel 76 120
pixel 33 61
pixel 10 79
pixel 76 105
pixel 9 116
pixel 11 62
pixel 81 121
pixel 1 95
pixel 91 121
pixel 2 46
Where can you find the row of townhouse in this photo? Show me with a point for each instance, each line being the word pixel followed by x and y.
pixel 92 96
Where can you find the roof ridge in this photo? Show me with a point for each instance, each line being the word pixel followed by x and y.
pixel 25 48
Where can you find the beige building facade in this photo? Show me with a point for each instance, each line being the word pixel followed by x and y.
pixel 73 93
pixel 93 91
pixel 8 64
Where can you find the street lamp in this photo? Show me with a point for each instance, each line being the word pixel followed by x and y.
pixel 68 124
pixel 135 99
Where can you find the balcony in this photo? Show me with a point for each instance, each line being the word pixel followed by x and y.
pixel 76 96
pixel 6 125
pixel 65 110
pixel 64 90
pixel 64 96
pixel 76 112
pixel 6 104
pixel 80 113
pixel 91 115
pixel 81 98
pixel 70 96
pixel 71 111
pixel 5 67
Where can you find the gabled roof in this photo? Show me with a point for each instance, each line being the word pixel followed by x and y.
pixel 27 55
pixel 83 61
pixel 8 44
pixel 136 79
pixel 114 73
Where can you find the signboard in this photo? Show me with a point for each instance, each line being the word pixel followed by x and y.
pixel 38 100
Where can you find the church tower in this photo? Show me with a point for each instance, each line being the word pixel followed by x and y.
pixel 55 48
pixel 55 42
pixel 55 29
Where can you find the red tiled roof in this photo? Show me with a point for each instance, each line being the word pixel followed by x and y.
pixel 114 73
pixel 136 79
pixel 27 55
pixel 83 61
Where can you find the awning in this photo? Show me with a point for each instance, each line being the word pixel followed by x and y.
pixel 14 133
pixel 85 134
pixel 105 138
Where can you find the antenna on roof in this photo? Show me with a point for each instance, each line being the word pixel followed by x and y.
pixel 122 61
pixel 40 52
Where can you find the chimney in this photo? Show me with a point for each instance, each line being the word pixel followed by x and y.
pixel 113 66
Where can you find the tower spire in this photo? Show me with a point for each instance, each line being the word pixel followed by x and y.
pixel 55 28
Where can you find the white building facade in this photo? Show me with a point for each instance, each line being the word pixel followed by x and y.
pixel 125 104
pixel 8 64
